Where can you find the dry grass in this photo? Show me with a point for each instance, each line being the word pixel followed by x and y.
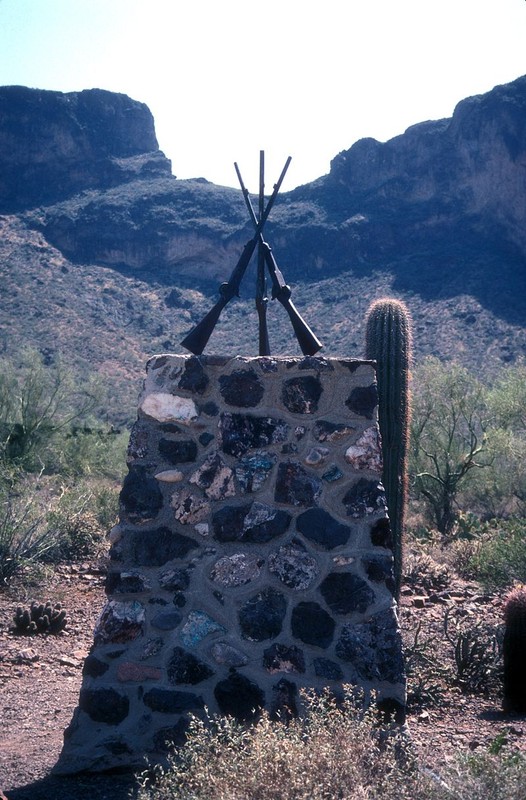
pixel 334 751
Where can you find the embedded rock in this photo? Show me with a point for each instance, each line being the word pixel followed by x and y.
pixel 239 697
pixel 318 526
pixel 294 567
pixel 295 486
pixel 262 616
pixel 184 667
pixel 301 395
pixel 241 388
pixel 312 624
pixel 241 433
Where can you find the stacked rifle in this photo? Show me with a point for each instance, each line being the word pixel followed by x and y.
pixel 198 337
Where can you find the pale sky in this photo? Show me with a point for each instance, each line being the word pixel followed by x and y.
pixel 225 79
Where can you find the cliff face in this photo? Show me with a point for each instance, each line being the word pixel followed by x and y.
pixel 470 168
pixel 441 207
pixel 54 145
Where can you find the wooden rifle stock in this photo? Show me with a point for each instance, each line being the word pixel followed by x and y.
pixel 197 339
pixel 307 340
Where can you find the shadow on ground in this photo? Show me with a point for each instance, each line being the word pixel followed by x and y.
pixel 78 787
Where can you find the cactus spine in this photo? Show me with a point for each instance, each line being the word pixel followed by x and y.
pixel 388 340
pixel 514 652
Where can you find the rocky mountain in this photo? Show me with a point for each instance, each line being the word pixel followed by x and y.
pixel 102 244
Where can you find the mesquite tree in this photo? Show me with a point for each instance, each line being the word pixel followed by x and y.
pixel 448 437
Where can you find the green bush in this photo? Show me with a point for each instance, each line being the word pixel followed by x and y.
pixel 78 522
pixel 24 538
pixel 497 556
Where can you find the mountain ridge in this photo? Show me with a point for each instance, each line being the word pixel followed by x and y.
pixel 434 216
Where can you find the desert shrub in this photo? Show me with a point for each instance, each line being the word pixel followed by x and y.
pixel 74 524
pixel 89 450
pixel 37 404
pixel 496 775
pixel 426 675
pixel 496 557
pixel 424 573
pixel 24 537
pixel 335 751
pixel 477 651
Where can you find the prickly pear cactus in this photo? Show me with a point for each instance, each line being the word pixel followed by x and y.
pixel 40 618
pixel 388 340
pixel 514 652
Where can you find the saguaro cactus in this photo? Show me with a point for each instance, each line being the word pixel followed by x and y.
pixel 388 340
pixel 514 652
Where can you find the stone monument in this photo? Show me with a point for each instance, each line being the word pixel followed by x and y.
pixel 252 558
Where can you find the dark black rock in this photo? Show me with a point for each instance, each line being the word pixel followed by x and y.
pixel 283 658
pixel 94 667
pixel 381 535
pixel 365 497
pixel 178 452
pixel 380 569
pixel 374 648
pixel 206 438
pixel 170 427
pixel 140 498
pixel 252 470
pixel 117 583
pixel 239 697
pixel 294 485
pixel 334 473
pixel 240 432
pixel 157 601
pixel 289 447
pixel 345 592
pixel 283 704
pixel 167 620
pixel 104 705
pixel 331 431
pixel 253 522
pixel 174 736
pixel 194 378
pixel 138 444
pixel 312 624
pixel 242 388
pixel 363 400
pixel 317 525
pixel 154 548
pixel 210 409
pixel 184 667
pixel 262 616
pixel 179 600
pixel 175 580
pixel 325 668
pixel 301 395
pixel 172 702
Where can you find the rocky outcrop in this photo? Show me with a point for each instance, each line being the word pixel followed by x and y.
pixel 55 145
pixel 440 208
pixel 467 172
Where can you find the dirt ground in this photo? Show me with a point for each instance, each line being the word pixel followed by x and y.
pixel 40 677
